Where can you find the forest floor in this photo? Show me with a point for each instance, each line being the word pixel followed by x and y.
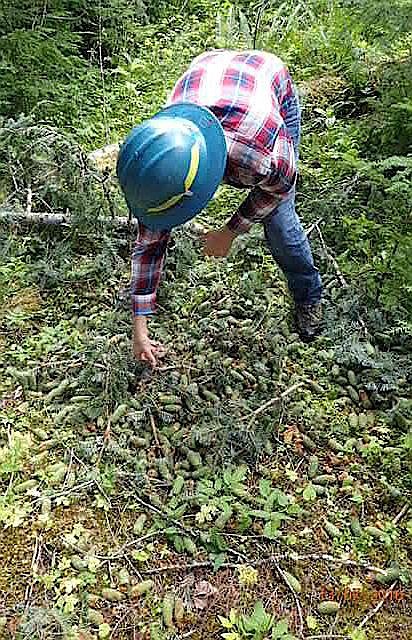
pixel 248 468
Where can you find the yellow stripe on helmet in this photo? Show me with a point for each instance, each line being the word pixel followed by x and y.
pixel 189 180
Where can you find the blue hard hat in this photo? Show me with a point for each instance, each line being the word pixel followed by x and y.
pixel 170 166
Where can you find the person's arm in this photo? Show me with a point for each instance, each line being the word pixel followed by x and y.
pixel 147 265
pixel 266 196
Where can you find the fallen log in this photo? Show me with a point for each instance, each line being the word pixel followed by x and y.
pixel 13 217
pixel 21 217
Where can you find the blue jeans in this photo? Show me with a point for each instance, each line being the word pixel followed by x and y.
pixel 286 238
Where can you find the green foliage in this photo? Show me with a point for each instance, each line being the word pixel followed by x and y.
pixel 256 626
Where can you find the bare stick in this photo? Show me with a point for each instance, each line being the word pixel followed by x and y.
pixel 29 201
pixel 155 434
pixel 125 546
pixel 401 513
pixel 33 568
pixel 328 637
pixel 269 560
pixel 313 226
pixel 273 401
pixel 331 257
pixel 378 606
pixel 13 216
pixel 295 595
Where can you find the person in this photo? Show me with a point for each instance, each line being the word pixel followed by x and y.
pixel 233 116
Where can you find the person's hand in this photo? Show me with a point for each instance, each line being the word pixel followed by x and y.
pixel 218 243
pixel 147 350
pixel 144 348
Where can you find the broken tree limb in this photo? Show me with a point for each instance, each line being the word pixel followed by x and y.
pixel 11 216
pixel 291 557
pixel 57 219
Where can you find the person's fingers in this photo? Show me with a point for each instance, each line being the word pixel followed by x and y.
pixel 148 356
pixel 158 347
pixel 151 358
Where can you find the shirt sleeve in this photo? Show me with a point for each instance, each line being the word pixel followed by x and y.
pixel 269 193
pixel 147 265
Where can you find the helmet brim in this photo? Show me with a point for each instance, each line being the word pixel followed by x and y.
pixel 211 168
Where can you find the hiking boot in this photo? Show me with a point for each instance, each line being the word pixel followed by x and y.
pixel 308 321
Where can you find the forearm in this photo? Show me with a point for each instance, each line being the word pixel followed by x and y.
pixel 140 326
pixel 147 265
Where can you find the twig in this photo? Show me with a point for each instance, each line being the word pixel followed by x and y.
pixel 33 569
pixel 401 513
pixel 261 10
pixel 75 489
pixel 269 560
pixel 295 595
pixel 273 401
pixel 155 434
pixel 125 546
pixel 29 201
pixel 313 226
pixel 69 468
pixel 378 606
pixel 331 257
pixel 328 637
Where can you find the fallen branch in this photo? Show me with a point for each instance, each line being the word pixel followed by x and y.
pixel 378 606
pixel 11 216
pixel 313 226
pixel 262 561
pixel 330 257
pixel 273 401
pixel 294 594
pixel 56 219
pixel 155 434
pixel 401 513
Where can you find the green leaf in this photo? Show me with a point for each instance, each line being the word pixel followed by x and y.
pixel 309 493
pixel 358 634
pixel 265 487
pixel 281 498
pixel 233 616
pixel 271 529
pixel 104 630
pixel 240 473
pixel 311 622
pixel 218 560
pixel 291 475
pixel 280 629
pixel 259 620
pixel 225 622
pixel 263 515
pixel 140 556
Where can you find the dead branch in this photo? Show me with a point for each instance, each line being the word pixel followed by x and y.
pixel 295 595
pixel 269 560
pixel 330 257
pixel 11 216
pixel 378 606
pixel 273 401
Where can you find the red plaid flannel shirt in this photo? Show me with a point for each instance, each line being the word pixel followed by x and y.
pixel 249 93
